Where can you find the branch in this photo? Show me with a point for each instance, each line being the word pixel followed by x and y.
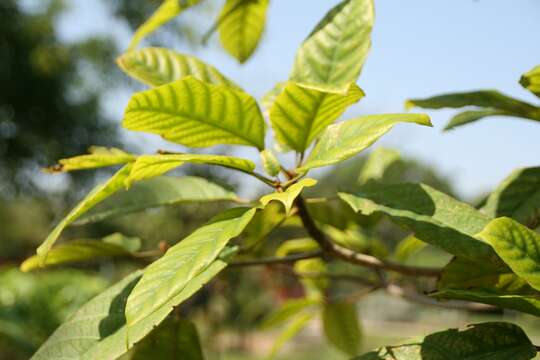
pixel 353 257
pixel 277 260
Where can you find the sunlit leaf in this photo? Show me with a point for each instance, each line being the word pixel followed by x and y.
pixel 98 157
pixel 288 196
pixel 517 245
pixel 166 277
pixel 80 250
pixel 518 197
pixel 149 166
pixel 433 216
pixel 159 66
pixel 267 100
pixel 341 327
pixel 493 102
pixel 98 194
pixel 270 163
pixel 166 11
pixel 193 113
pixel 240 25
pixel 298 115
pixel 287 310
pixel 493 341
pixel 159 191
pixel 377 163
pixel 314 286
pixel 346 139
pixel 291 330
pixel 531 80
pixel 98 329
pixel 408 247
pixel 296 246
pixel 332 56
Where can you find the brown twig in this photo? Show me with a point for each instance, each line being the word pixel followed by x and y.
pixel 350 256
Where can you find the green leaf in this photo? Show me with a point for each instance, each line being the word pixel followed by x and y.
pixel 298 115
pixel 433 216
pixel 98 157
pixel 290 331
pixel 166 11
pixel 98 194
pixel 333 55
pixel 518 197
pixel 193 113
pixel 408 247
pixel 296 246
pixel 270 163
pixel 267 100
pixel 286 311
pixel 172 339
pixel 493 101
pixel 461 273
pixel 288 196
pixel 517 245
pixel 240 25
pixel 346 139
pixel 80 250
pixel 314 286
pixel 159 66
pixel 377 163
pixel 341 327
pixel 149 166
pixel 98 329
pixel 166 277
pixel 159 191
pixel 531 80
pixel 529 304
pixel 470 116
pixel 492 340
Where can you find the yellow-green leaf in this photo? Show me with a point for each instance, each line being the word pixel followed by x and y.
pixel 296 246
pixel 288 196
pixel 408 247
pixel 531 80
pixel 160 66
pixel 341 327
pixel 240 25
pixel 291 330
pixel 166 277
pixel 270 163
pixel 517 245
pixel 164 13
pixel 193 113
pixel 98 157
pixel 298 115
pixel 346 139
pixel 380 160
pixel 333 55
pixel 98 194
pixel 288 310
pixel 149 166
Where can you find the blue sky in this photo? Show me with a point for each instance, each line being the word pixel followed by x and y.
pixel 419 49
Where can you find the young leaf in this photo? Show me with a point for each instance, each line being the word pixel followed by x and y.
pixel 160 66
pixel 340 324
pixel 290 331
pixel 377 163
pixel 433 216
pixel 270 163
pixel 98 157
pixel 518 197
pixel 287 197
pixel 159 191
pixel 517 245
pixel 314 287
pixel 240 25
pixel 529 304
pixel 149 166
pixel 493 101
pixel 296 246
pixel 331 58
pixel 469 116
pixel 531 80
pixel 346 139
pixel 492 340
pixel 288 310
pixel 298 115
pixel 77 251
pixel 166 277
pixel 166 11
pixel 267 100
pixel 408 247
pixel 193 113
pixel 98 329
pixel 98 194
pixel 173 338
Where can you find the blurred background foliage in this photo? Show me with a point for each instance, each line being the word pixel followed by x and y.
pixel 51 106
